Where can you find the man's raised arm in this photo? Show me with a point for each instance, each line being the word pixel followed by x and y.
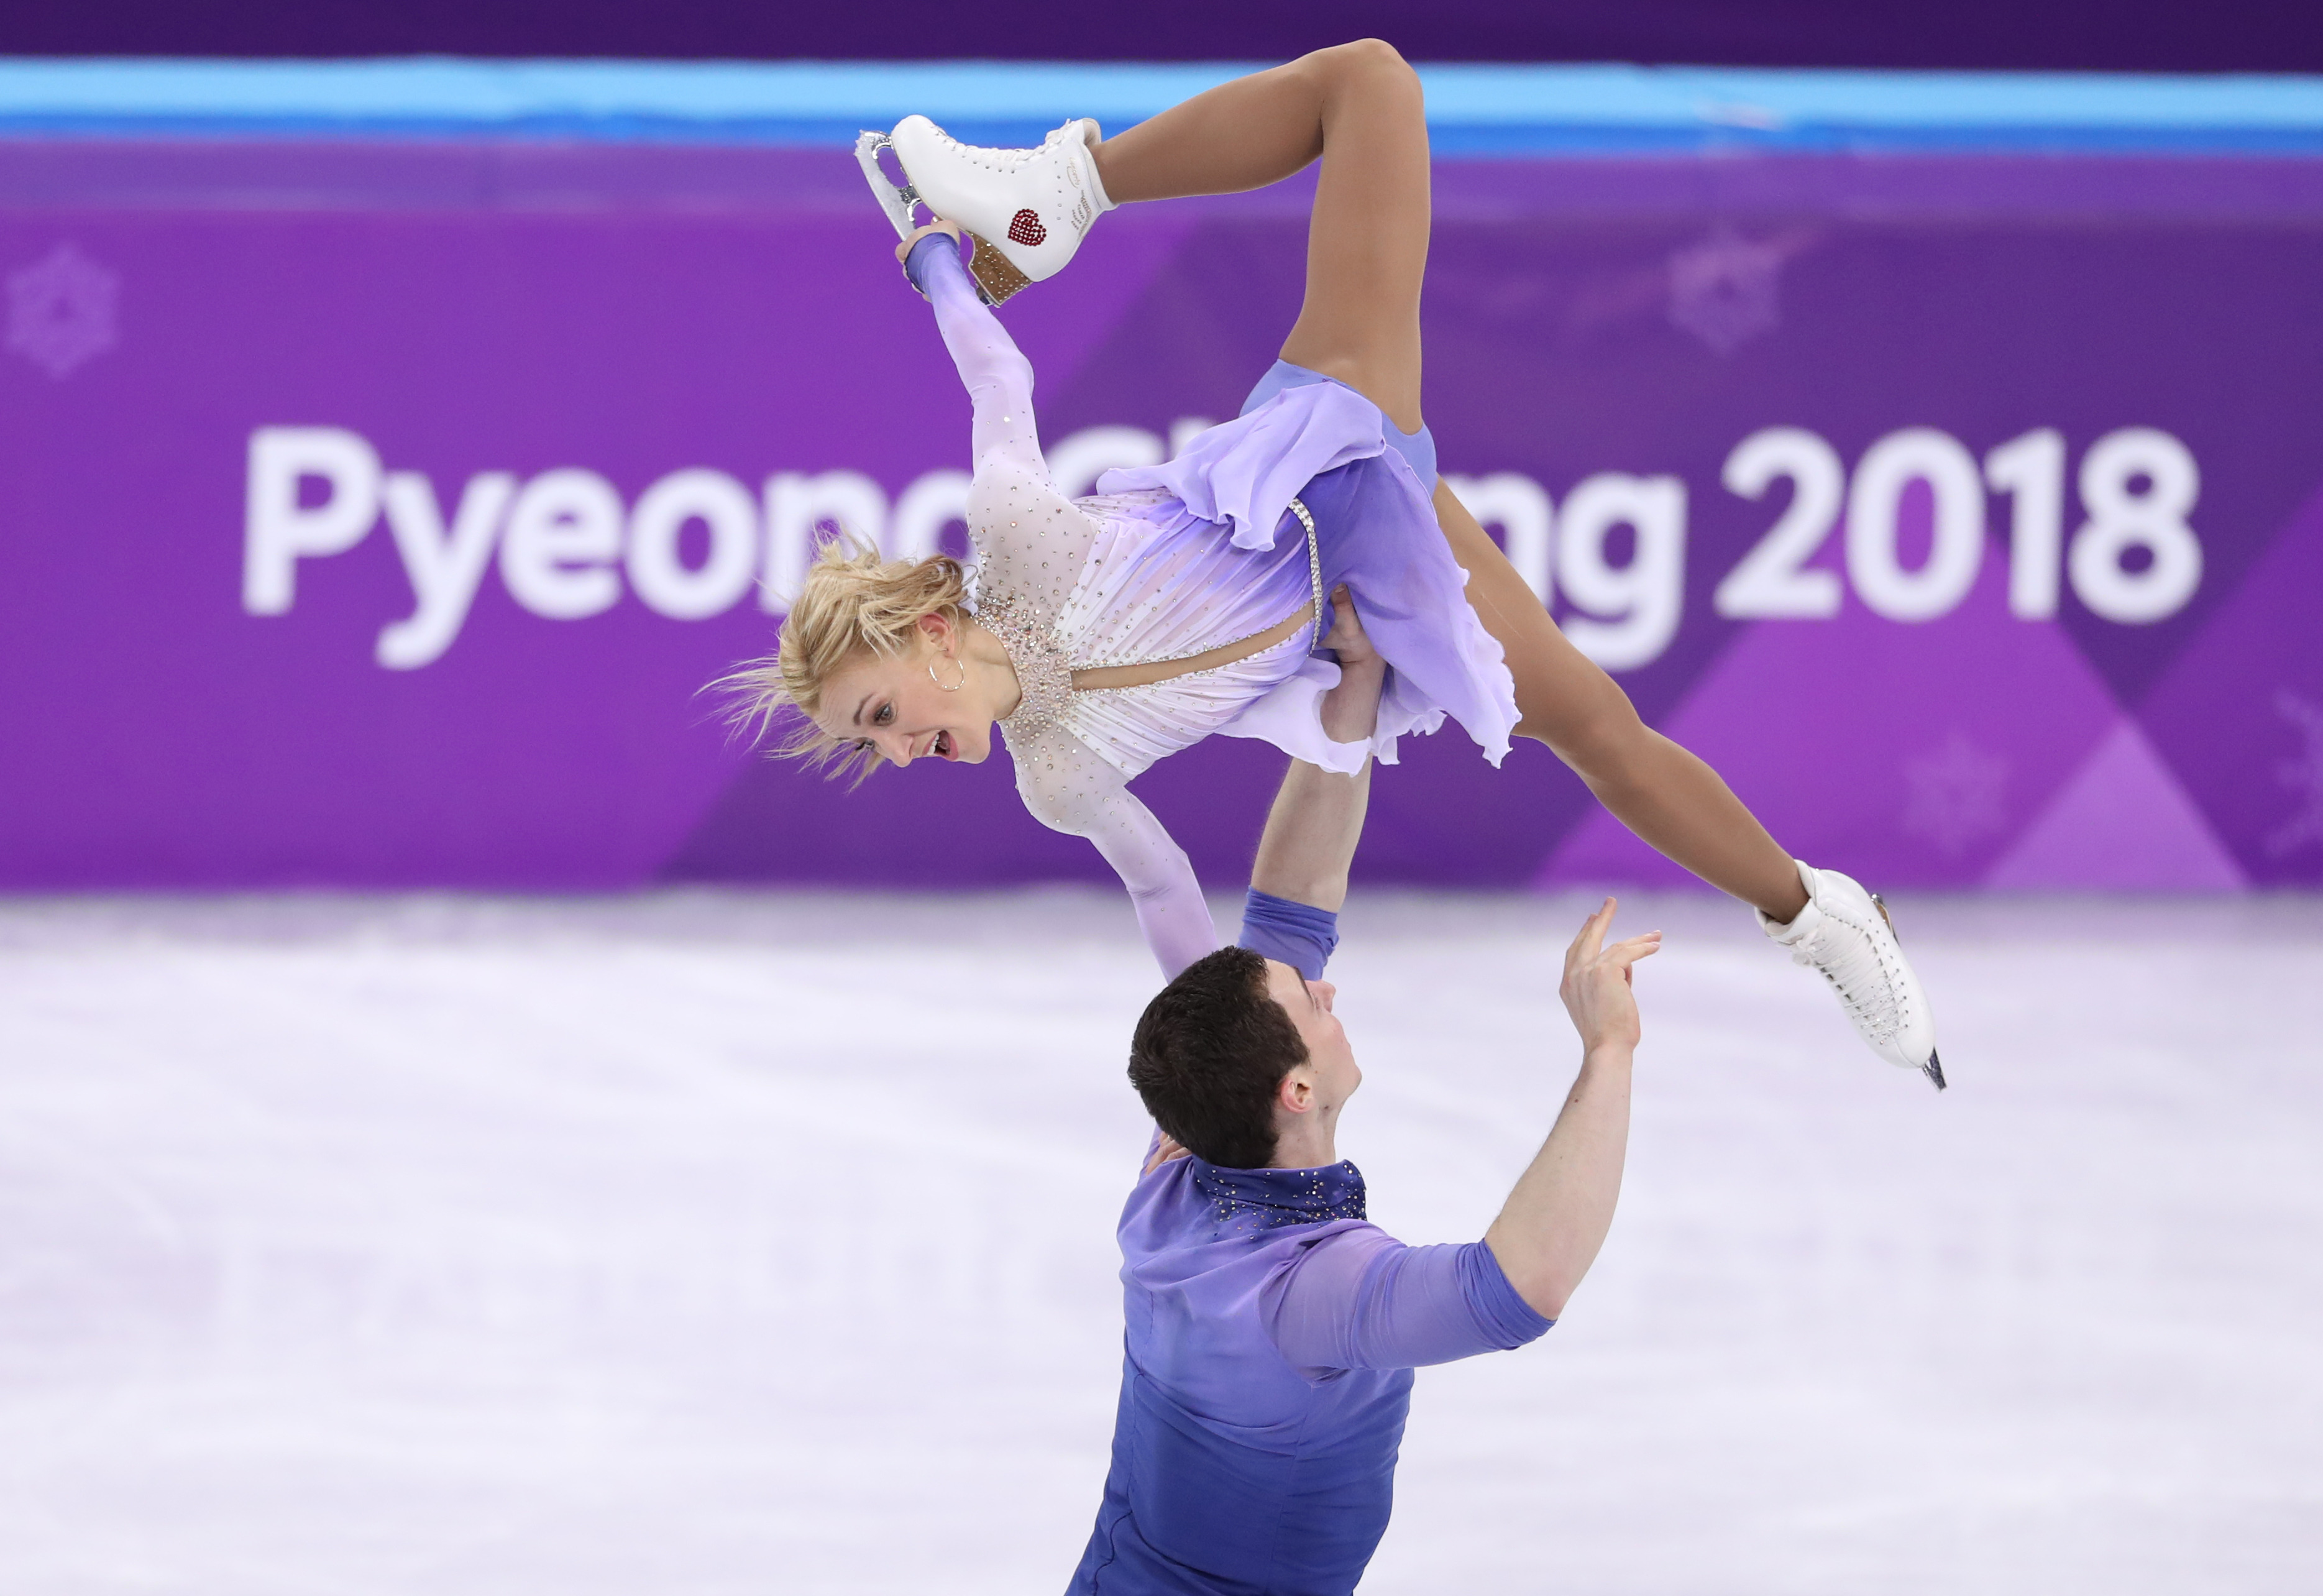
pixel 1554 1221
pixel 1300 879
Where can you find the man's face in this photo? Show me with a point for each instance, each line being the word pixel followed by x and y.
pixel 1330 1062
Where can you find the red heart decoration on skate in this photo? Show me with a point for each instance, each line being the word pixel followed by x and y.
pixel 1024 227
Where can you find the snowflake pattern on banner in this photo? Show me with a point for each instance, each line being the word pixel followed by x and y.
pixel 1724 290
pixel 62 310
pixel 1958 796
pixel 2303 776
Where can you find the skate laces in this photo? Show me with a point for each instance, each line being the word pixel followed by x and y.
pixel 999 158
pixel 1853 956
pixel 992 156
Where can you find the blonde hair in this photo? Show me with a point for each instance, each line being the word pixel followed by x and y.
pixel 852 603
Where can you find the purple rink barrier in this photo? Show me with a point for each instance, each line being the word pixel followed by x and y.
pixel 373 512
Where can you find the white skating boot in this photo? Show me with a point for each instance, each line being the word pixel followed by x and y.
pixel 1845 932
pixel 1026 210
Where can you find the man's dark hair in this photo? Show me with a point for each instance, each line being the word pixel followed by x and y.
pixel 1208 1052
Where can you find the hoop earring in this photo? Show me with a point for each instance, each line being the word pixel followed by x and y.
pixel 949 686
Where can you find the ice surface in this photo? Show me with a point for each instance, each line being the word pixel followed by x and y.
pixel 706 1243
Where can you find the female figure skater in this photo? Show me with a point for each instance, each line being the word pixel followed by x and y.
pixel 1188 599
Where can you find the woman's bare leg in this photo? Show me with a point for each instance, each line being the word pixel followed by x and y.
pixel 1358 107
pixel 1669 798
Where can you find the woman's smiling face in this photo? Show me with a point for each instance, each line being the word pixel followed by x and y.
pixel 904 704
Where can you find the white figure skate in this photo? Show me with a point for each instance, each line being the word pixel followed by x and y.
pixel 1025 211
pixel 1845 932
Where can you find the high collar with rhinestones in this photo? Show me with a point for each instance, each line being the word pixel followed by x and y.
pixel 1249 1200
pixel 1044 674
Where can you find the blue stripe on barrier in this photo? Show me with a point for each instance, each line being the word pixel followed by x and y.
pixel 1474 110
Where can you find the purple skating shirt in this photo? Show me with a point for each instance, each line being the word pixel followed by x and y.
pixel 1271 1333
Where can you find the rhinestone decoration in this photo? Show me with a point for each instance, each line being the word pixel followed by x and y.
pixel 996 279
pixel 1248 1202
pixel 1314 566
pixel 1044 672
pixel 1024 227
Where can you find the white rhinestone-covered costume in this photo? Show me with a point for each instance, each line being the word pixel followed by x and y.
pixel 1071 586
pixel 1136 578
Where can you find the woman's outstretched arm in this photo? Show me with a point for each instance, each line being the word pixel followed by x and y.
pixel 996 373
pixel 1070 788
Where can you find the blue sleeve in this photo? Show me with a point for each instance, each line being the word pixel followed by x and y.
pixel 1298 934
pixel 1361 1299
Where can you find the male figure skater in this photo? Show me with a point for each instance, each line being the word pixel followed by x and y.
pixel 1272 1332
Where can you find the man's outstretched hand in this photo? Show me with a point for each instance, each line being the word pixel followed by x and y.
pixel 1312 829
pixel 1550 1230
pixel 1350 710
pixel 1596 985
pixel 1346 639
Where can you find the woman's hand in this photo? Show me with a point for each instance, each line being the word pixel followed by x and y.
pixel 1596 985
pixel 949 229
pixel 1165 1149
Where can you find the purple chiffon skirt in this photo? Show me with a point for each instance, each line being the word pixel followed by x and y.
pixel 1333 450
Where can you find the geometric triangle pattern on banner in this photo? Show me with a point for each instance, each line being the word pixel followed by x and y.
pixel 2240 716
pixel 1902 755
pixel 2123 821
